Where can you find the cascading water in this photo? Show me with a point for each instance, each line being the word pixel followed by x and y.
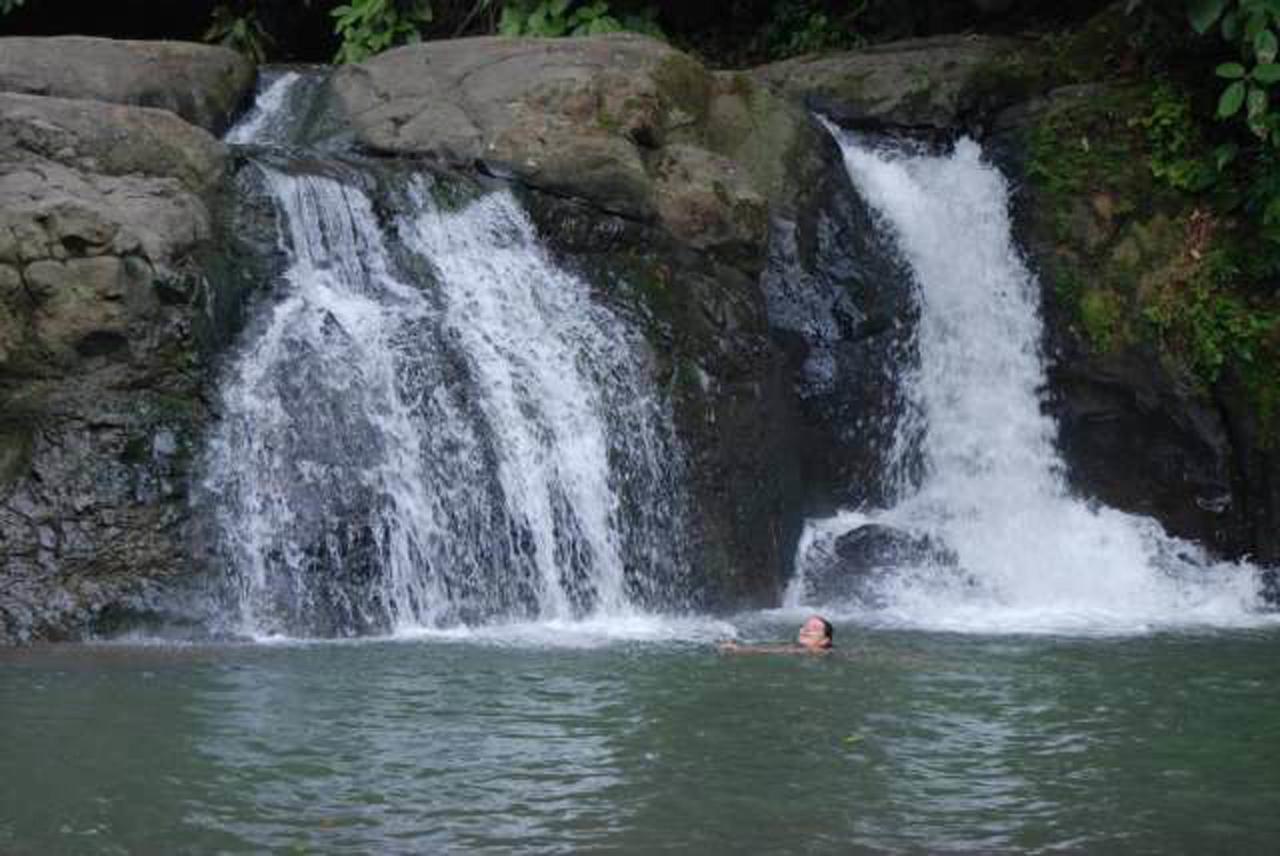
pixel 998 541
pixel 280 109
pixel 434 425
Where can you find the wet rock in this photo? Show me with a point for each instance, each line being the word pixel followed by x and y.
pixel 841 309
pixel 203 84
pixel 1137 429
pixel 101 206
pixel 849 567
pixel 734 406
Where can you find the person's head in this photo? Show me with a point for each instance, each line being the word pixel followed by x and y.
pixel 816 633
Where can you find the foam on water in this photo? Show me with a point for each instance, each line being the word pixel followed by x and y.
pixel 588 633
pixel 1029 556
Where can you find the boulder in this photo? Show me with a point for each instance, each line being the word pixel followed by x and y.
pixel 203 84
pixel 849 566
pixel 929 84
pixel 624 122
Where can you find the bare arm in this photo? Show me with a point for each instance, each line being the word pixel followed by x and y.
pixel 735 648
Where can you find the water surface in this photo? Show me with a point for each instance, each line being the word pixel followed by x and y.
pixel 909 742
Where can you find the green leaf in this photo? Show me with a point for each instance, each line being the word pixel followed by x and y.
pixel 1231 26
pixel 1225 154
pixel 1232 99
pixel 1203 13
pixel 1264 46
pixel 1266 74
pixel 1230 70
pixel 1257 101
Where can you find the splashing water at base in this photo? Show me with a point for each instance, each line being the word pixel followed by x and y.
pixel 1020 553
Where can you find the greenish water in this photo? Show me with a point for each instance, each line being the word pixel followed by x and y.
pixel 913 742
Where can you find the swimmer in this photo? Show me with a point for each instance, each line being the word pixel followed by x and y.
pixel 816 636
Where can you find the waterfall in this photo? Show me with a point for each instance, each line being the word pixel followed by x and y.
pixel 433 424
pixel 989 537
pixel 284 98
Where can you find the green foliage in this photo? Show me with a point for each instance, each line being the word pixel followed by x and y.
pixel 7 6
pixel 798 28
pixel 1102 316
pixel 557 18
pixel 367 27
pixel 1085 146
pixel 1249 26
pixel 1178 156
pixel 1262 204
pixel 1207 322
pixel 240 32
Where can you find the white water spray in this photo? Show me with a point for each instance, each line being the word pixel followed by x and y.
pixel 267 119
pixel 434 426
pixel 1028 555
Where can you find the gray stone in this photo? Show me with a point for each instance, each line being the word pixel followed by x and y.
pixel 624 122
pixel 920 83
pixel 107 139
pixel 851 567
pixel 201 83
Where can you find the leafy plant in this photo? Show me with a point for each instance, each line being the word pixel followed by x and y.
pixel 1208 323
pixel 240 32
pixel 558 18
pixel 1251 73
pixel 798 28
pixel 367 27
pixel 1250 27
pixel 1173 136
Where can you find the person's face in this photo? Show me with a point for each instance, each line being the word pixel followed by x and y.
pixel 813 634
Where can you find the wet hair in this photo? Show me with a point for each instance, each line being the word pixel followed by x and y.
pixel 827 629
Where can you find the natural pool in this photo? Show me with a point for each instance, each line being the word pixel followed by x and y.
pixel 557 738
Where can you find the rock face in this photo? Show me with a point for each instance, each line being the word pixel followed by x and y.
pixel 104 212
pixel 935 84
pixel 202 84
pixel 1144 425
pixel 624 122
pixel 848 568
